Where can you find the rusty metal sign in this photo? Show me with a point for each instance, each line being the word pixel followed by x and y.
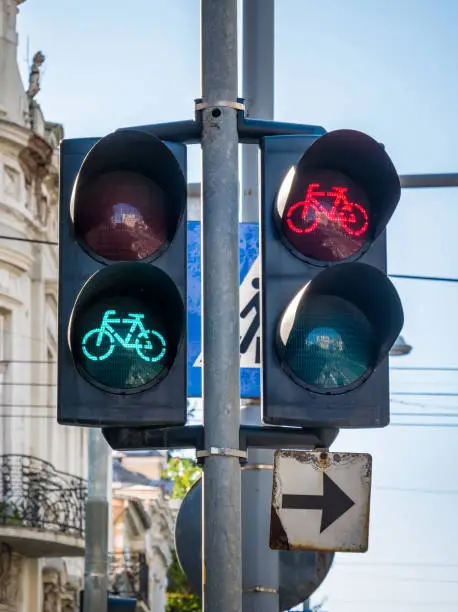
pixel 321 501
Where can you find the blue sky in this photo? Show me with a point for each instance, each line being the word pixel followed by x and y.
pixel 388 68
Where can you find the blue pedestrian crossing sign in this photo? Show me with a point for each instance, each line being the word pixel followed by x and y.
pixel 250 340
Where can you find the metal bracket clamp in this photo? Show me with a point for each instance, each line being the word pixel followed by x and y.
pixel 215 451
pixel 261 589
pixel 201 105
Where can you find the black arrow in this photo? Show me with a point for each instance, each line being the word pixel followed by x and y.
pixel 334 502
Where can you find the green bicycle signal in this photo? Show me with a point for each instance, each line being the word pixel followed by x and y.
pixel 107 337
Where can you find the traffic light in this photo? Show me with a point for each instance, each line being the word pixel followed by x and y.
pixel 122 281
pixel 329 312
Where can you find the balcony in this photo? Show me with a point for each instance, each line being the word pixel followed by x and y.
pixel 41 509
pixel 129 577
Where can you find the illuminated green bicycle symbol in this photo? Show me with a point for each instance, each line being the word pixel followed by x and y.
pixel 142 342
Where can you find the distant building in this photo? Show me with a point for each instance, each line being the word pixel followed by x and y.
pixel 143 528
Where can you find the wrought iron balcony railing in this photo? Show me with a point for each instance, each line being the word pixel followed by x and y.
pixel 129 575
pixel 34 494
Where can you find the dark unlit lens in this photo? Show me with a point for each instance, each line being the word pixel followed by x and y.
pixel 330 345
pixel 122 216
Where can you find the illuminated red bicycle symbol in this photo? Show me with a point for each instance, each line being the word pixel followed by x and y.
pixel 352 217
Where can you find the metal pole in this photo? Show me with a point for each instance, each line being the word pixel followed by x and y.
pixel 261 572
pixel 258 90
pixel 222 549
pixel 423 181
pixel 97 524
pixel 260 564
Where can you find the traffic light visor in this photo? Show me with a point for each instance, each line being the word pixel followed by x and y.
pixel 126 327
pixel 339 197
pixel 129 197
pixel 339 327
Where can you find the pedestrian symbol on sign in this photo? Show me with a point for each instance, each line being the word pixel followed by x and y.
pixel 252 333
pixel 250 340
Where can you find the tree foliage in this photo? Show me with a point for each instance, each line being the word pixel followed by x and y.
pixel 180 596
pixel 184 472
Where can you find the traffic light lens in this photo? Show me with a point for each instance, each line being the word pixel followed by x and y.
pixel 125 345
pixel 326 217
pixel 122 216
pixel 331 345
pixel 126 333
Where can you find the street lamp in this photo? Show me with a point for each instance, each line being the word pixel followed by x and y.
pixel 400 348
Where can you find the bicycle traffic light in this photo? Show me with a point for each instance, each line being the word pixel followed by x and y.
pixel 329 312
pixel 122 281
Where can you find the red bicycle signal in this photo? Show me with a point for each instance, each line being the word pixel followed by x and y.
pixel 326 216
pixel 351 216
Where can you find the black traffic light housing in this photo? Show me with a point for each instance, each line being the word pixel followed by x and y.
pixel 329 313
pixel 122 288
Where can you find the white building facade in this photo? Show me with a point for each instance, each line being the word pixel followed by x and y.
pixel 43 466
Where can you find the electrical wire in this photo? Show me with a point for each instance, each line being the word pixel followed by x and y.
pixel 394 401
pixel 401 276
pixel 23 384
pixel 400 393
pixel 32 240
pixel 396 564
pixel 53 416
pixel 426 393
pixel 27 416
pixel 440 279
pixel 441 415
pixel 408 578
pixel 406 384
pixel 422 405
pixel 413 368
pixel 445 425
pixel 438 415
pixel 425 368
pixel 8 361
pixel 418 490
pixel 433 605
pixel 45 406
pixel 403 368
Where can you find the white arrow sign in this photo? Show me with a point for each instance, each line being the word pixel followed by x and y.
pixel 250 339
pixel 321 501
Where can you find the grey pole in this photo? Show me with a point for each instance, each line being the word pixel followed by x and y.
pixel 260 563
pixel 258 90
pixel 422 181
pixel 222 548
pixel 261 571
pixel 97 524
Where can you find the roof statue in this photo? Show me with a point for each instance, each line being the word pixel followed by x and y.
pixel 34 76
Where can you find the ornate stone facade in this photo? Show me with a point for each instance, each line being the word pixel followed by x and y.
pixel 59 593
pixel 143 524
pixel 11 573
pixel 31 581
